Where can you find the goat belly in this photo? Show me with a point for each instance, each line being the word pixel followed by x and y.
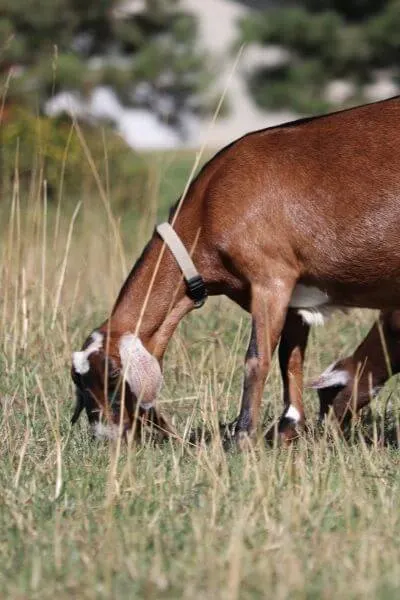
pixel 312 304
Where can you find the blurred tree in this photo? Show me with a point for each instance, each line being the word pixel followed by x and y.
pixel 148 55
pixel 44 148
pixel 326 40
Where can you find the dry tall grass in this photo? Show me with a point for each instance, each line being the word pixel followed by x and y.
pixel 319 520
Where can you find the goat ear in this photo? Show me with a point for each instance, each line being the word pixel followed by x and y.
pixel 140 369
pixel 333 376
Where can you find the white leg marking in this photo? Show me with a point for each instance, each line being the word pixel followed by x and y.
pixel 293 414
pixel 80 359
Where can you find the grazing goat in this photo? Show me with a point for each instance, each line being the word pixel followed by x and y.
pixel 289 222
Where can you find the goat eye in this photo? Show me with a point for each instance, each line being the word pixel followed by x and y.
pixel 114 375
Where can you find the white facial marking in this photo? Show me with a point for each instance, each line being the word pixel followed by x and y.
pixel 331 377
pixel 104 431
pixel 80 359
pixel 305 296
pixel 140 369
pixel 293 414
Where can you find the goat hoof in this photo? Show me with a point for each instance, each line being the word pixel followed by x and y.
pixel 283 433
pixel 228 433
pixel 234 438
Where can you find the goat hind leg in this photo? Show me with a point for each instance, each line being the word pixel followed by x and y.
pixel 292 349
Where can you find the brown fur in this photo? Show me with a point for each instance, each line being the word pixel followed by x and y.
pixel 316 202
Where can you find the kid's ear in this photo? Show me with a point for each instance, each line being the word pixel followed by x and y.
pixel 333 376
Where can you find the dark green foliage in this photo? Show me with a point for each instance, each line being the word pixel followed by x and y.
pixel 69 45
pixel 355 9
pixel 326 40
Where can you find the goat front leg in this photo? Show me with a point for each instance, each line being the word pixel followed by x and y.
pixel 292 349
pixel 268 309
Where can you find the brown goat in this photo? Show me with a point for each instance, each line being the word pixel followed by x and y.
pixel 288 222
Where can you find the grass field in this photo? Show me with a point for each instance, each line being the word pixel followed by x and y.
pixel 85 519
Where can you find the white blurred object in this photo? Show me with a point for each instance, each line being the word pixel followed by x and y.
pixel 339 91
pixel 130 7
pixel 142 130
pixel 104 104
pixel 217 22
pixel 264 56
pixel 383 87
pixel 66 102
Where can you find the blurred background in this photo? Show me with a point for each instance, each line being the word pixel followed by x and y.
pixel 153 70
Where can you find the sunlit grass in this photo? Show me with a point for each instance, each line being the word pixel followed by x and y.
pixel 321 519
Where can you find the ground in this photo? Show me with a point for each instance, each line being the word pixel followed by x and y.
pixel 91 520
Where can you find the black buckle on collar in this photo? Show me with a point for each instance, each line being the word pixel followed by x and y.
pixel 197 290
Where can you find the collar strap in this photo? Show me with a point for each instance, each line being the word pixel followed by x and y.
pixel 196 288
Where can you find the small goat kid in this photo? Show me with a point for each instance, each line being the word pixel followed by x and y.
pixel 350 383
pixel 289 222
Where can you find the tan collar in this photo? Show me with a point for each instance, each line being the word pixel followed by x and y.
pixel 194 281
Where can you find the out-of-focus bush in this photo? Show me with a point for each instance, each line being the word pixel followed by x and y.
pixel 39 148
pixel 148 55
pixel 325 40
